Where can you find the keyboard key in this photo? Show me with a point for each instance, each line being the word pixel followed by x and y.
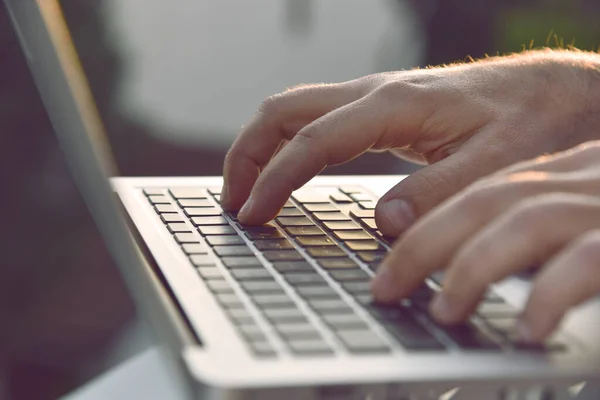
pixel 369 223
pixel 224 251
pixel 309 347
pixel 175 227
pixel 331 216
pixel 403 326
pixel 304 231
pixel 255 287
pixel 292 266
pixel 321 207
pixel 352 235
pixel 202 212
pixel 497 310
pixel 341 225
pixel 361 213
pixel 153 191
pixel 252 332
pixel 240 316
pixel 308 196
pixel 188 193
pixel 210 273
pixel 241 262
pixel 298 279
pixel 367 205
pixel 469 337
pixel 204 203
pixel 194 248
pixel 214 220
pixel 273 244
pixel 363 245
pixel 217 198
pixel 216 230
pixel 202 260
pixel 184 237
pixel 278 315
pixel 289 204
pixel 251 274
pixel 267 231
pixel 171 217
pixel 336 263
pixel 344 321
pixel 159 199
pixel 219 286
pixel 262 348
pixel 295 221
pixel 214 190
pixel 360 197
pixel 320 291
pixel 325 252
pixel 370 257
pixel 309 241
pixel 290 212
pixel 272 300
pixel 351 189
pixel 340 197
pixel 297 330
pixel 283 255
pixel 357 287
pixel 224 240
pixel 328 305
pixel 363 341
pixel 350 275
pixel 165 208
pixel 364 298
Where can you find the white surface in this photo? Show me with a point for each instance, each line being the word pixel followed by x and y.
pixel 204 66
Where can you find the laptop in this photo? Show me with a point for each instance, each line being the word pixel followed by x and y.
pixel 284 310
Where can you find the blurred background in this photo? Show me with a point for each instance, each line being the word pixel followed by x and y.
pixel 174 81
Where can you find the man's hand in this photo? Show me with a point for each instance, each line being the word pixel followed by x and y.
pixel 542 212
pixel 466 120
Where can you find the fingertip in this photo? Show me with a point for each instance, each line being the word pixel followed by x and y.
pixel 444 309
pixel 383 286
pixel 394 216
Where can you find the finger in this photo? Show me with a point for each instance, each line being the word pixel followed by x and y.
pixel 332 139
pixel 421 191
pixel 432 242
pixel 278 118
pixel 521 237
pixel 566 161
pixel 566 281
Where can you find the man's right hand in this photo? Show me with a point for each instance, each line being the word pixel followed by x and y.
pixel 466 121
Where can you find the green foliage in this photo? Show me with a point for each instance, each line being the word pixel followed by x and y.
pixel 561 27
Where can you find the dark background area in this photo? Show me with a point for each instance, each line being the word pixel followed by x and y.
pixel 62 303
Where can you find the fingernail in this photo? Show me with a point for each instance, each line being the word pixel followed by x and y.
pixel 383 285
pixel 245 210
pixel 442 308
pixel 398 213
pixel 524 331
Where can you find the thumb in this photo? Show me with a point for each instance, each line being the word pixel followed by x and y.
pixel 421 191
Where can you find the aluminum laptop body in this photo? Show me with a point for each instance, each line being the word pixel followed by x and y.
pixel 281 311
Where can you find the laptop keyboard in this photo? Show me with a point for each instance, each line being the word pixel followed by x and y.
pixel 307 275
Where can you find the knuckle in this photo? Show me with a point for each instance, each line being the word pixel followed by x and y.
pixel 271 104
pixel 481 194
pixel 397 89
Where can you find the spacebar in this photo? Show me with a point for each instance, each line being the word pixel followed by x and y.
pixel 407 331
